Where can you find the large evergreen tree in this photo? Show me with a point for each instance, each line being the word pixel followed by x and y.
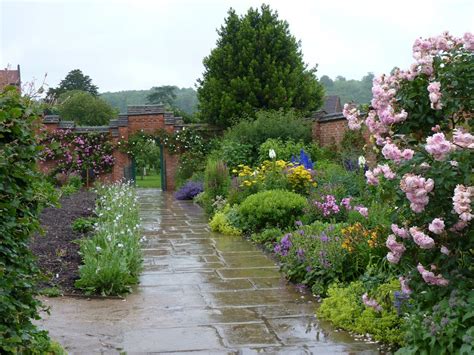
pixel 74 80
pixel 257 64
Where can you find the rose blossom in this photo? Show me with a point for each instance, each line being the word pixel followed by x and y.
pixel 438 146
pixel 435 95
pixel 351 113
pixel 416 189
pixel 420 238
pixel 444 250
pixel 391 152
pixel 401 232
pixel 437 226
pixel 462 202
pixel 458 226
pixel 430 278
pixel 396 249
pixel 463 139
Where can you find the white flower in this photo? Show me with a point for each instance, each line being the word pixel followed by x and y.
pixel 362 161
pixel 120 245
pixel 272 154
pixel 98 249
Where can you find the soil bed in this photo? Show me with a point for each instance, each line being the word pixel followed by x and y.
pixel 57 250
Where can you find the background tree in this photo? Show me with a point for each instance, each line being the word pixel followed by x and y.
pixel 357 91
pixel 257 64
pixel 74 80
pixel 162 95
pixel 184 103
pixel 85 109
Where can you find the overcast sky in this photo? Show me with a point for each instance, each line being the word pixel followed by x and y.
pixel 137 44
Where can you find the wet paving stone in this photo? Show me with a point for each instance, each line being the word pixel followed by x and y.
pixel 247 335
pixel 199 293
pixel 246 273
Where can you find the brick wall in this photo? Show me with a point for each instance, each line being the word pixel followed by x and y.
pixel 328 132
pixel 148 119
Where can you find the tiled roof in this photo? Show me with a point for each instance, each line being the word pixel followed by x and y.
pixel 332 104
pixel 10 77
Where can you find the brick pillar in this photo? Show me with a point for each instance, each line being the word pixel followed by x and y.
pixel 171 166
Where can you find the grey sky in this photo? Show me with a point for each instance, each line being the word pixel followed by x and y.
pixel 137 44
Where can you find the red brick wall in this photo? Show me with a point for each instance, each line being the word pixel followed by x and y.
pixel 329 132
pixel 149 123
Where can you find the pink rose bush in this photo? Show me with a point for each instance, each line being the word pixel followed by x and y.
pixel 75 153
pixel 420 120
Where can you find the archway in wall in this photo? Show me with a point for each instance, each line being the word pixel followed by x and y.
pixel 147 168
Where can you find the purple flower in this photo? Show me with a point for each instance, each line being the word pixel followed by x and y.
pixel 299 223
pixel 284 246
pixel 323 237
pixel 189 190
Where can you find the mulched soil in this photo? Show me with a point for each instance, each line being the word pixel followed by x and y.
pixel 57 250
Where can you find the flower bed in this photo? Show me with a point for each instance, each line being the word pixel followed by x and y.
pixel 112 258
pixel 392 258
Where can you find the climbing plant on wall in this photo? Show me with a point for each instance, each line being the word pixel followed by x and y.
pixel 82 153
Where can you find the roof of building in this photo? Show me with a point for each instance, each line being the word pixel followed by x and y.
pixel 332 104
pixel 10 77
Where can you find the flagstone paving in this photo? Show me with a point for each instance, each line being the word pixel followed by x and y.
pixel 200 293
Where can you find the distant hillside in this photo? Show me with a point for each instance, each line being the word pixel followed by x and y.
pixel 359 91
pixel 186 99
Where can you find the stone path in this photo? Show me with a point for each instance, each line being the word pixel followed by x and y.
pixel 200 293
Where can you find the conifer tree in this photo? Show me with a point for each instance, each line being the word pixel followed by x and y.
pixel 256 65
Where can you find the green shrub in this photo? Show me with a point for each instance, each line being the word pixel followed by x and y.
pixel 328 153
pixel 46 194
pixel 216 183
pixel 83 224
pixel 67 190
pixel 20 203
pixel 233 153
pixel 338 181
pixel 220 223
pixel 191 164
pixel 344 308
pixel 448 325
pixel 284 150
pixel 270 124
pixel 75 180
pixel 112 258
pixel 313 255
pixel 216 178
pixel 272 208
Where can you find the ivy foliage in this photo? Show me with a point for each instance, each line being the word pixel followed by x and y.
pixel 257 64
pixel 19 209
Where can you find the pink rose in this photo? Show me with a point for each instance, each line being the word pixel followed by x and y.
pixel 436 226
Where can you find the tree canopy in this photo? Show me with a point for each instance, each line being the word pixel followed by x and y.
pixel 257 64
pixel 162 95
pixel 74 80
pixel 357 91
pixel 85 109
pixel 184 103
